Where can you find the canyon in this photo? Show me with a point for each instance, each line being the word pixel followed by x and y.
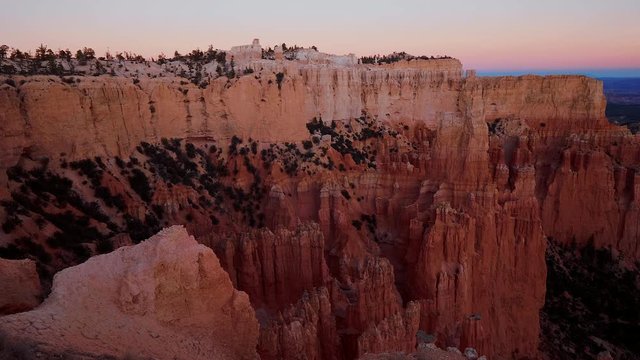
pixel 351 206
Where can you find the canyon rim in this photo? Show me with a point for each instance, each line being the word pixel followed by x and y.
pixel 290 204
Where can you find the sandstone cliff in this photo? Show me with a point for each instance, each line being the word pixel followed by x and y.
pixel 165 298
pixel 111 115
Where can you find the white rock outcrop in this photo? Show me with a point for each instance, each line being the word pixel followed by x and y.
pixel 165 298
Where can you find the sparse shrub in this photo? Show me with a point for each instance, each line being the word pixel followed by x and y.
pixel 233 147
pixel 11 223
pixel 104 246
pixel 346 194
pixel 140 184
pixel 158 210
pixel 33 249
pixel 137 230
pixel 307 144
pixel 191 150
pixel 12 252
pixel 591 292
pixel 120 163
pixel 109 199
pixel 357 224
pixel 88 168
pixel 279 79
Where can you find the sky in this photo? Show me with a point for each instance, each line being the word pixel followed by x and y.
pixel 493 36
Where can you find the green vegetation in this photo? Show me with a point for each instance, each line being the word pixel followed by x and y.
pixel 397 56
pixel 140 184
pixel 279 79
pixel 343 139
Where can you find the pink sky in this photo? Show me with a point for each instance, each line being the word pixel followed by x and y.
pixel 490 34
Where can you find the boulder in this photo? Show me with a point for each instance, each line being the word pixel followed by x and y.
pixel 165 298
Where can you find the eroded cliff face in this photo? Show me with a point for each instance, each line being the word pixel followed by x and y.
pixel 421 200
pixel 112 115
pixel 165 298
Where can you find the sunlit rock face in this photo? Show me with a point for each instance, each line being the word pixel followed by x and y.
pixel 164 298
pixel 112 115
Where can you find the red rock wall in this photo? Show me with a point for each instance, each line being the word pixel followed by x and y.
pixel 113 115
pixel 484 170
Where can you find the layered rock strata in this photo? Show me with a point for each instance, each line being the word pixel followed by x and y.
pixel 432 216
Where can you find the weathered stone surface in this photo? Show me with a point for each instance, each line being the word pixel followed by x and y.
pixel 275 269
pixel 395 333
pixel 20 286
pixel 304 330
pixel 164 298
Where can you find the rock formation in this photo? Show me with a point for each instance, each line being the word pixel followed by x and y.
pixel 354 204
pixel 305 330
pixel 165 298
pixel 394 333
pixel 115 115
pixel 20 286
pixel 276 269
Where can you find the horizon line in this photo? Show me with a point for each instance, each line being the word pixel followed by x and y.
pixel 597 72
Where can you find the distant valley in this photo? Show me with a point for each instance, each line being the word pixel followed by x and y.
pixel 623 101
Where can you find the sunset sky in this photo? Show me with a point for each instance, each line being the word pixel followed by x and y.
pixel 486 35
